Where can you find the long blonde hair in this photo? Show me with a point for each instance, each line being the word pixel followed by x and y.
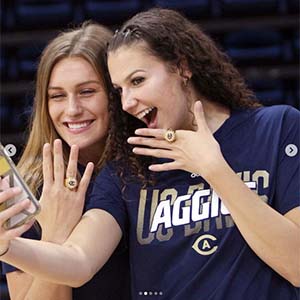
pixel 89 42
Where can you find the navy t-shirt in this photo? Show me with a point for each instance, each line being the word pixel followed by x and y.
pixel 112 282
pixel 183 243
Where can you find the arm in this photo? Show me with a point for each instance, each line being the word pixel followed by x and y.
pixel 19 283
pixel 23 286
pixel 275 238
pixel 63 211
pixel 77 260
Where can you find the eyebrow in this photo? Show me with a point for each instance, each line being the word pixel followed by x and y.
pixel 129 75
pixel 77 85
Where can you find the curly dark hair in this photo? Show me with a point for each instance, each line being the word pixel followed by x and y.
pixel 172 38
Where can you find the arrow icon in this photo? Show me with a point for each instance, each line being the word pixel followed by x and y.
pixel 10 150
pixel 291 150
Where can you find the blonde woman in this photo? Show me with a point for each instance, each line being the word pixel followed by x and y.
pixel 70 108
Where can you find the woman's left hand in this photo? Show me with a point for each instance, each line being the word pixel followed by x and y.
pixel 192 151
pixel 61 207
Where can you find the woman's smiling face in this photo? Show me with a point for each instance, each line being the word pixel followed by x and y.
pixel 77 103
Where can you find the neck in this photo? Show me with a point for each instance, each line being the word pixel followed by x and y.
pixel 91 155
pixel 215 114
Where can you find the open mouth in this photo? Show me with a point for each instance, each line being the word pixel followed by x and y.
pixel 148 115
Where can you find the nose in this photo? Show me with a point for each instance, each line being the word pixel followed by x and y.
pixel 128 101
pixel 74 107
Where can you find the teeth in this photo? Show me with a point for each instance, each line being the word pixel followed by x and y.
pixel 78 125
pixel 142 114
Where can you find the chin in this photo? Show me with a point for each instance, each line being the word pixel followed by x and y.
pixel 81 145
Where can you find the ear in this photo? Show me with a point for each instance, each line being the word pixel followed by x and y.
pixel 184 69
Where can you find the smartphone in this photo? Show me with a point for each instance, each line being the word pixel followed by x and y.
pixel 10 177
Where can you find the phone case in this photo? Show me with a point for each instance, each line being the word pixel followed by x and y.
pixel 10 177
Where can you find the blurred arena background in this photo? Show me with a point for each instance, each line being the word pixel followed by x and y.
pixel 261 37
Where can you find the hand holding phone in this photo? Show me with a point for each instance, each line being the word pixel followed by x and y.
pixel 10 177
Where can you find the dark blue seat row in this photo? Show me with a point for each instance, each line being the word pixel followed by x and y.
pixel 261 46
pixel 110 12
pixel 272 92
pixel 16 14
pixel 245 47
pixel 258 7
pixel 20 62
pixel 15 112
pixel 29 14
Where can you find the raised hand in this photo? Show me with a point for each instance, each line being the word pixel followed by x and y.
pixel 61 206
pixel 193 151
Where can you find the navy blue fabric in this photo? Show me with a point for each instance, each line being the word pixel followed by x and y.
pixel 183 242
pixel 112 282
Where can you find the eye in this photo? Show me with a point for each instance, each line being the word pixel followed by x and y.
pixel 57 96
pixel 87 92
pixel 137 80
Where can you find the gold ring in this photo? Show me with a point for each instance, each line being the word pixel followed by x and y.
pixel 170 136
pixel 71 183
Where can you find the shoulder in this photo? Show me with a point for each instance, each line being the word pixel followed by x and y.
pixel 264 126
pixel 276 112
pixel 273 118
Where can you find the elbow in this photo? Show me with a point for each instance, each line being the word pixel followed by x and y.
pixel 85 275
pixel 293 277
pixel 291 267
pixel 296 284
pixel 78 282
pixel 84 271
pixel 295 280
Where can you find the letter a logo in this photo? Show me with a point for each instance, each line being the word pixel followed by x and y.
pixel 202 245
pixel 206 245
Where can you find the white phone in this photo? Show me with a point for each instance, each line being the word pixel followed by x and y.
pixel 10 177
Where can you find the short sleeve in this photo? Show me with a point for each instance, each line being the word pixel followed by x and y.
pixel 32 233
pixel 107 195
pixel 287 191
